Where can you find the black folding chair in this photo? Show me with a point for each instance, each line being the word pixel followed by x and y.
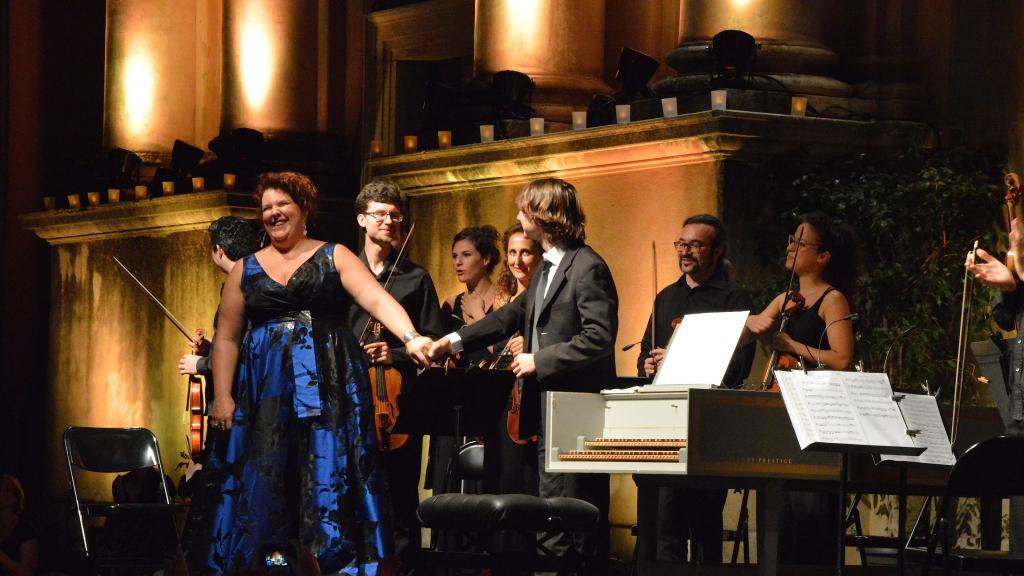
pixel 991 468
pixel 149 524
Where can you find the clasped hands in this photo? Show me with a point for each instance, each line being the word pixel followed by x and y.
pixel 425 351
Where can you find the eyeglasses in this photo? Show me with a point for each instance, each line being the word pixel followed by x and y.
pixel 396 217
pixel 803 243
pixel 694 246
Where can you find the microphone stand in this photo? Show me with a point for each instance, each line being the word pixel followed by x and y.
pixel 850 317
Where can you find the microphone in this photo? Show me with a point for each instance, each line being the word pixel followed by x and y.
pixel 850 317
pixel 885 360
pixel 629 346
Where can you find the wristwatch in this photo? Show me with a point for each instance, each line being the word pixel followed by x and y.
pixel 410 336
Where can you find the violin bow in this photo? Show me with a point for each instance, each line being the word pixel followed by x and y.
pixel 961 349
pixel 167 313
pixel 654 292
pixel 391 275
pixel 767 378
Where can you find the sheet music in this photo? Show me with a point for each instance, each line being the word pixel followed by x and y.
pixel 824 403
pixel 879 415
pixel 844 410
pixel 701 346
pixel 921 412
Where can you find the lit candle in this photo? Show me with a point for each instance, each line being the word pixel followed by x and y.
pixel 94 198
pixel 198 183
pixel 168 187
pixel 229 181
pixel 49 203
pixel 798 106
pixel 718 99
pixel 141 192
pixel 487 132
pixel 411 143
pixel 579 120
pixel 376 148
pixel 74 201
pixel 536 126
pixel 668 107
pixel 444 139
pixel 113 195
pixel 622 113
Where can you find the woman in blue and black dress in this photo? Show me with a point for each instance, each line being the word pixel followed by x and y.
pixel 825 257
pixel 305 470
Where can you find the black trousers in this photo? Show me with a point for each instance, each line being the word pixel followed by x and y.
pixel 693 516
pixel 403 467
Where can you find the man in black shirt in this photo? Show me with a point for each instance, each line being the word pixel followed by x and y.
pixel 704 287
pixel 381 209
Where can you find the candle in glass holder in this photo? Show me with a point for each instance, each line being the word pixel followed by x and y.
pixel 74 201
pixel 669 108
pixel 622 113
pixel 198 183
pixel 141 192
pixel 798 106
pixel 487 132
pixel 444 139
pixel 718 99
pixel 49 203
pixel 113 195
pixel 229 181
pixel 376 148
pixel 536 126
pixel 168 187
pixel 411 143
pixel 579 120
pixel 94 198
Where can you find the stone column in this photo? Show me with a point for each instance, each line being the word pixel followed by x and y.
pixel 271 65
pixel 791 35
pixel 162 73
pixel 560 45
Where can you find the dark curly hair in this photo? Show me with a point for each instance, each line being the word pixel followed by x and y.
pixel 234 234
pixel 842 242
pixel 485 240
pixel 298 186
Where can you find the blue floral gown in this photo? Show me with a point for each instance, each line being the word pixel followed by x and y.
pixel 301 456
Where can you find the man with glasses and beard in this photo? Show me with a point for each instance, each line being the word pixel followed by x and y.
pixel 695 515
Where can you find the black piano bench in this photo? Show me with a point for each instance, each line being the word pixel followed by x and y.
pixel 487 520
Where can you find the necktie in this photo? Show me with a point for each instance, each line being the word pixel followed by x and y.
pixel 538 304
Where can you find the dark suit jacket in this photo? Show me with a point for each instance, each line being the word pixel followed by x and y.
pixel 577 327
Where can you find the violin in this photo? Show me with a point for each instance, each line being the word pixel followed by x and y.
pixel 387 387
pixel 503 362
pixel 792 305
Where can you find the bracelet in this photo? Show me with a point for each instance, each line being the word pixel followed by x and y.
pixel 410 336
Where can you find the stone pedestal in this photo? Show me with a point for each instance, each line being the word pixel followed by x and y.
pixel 560 45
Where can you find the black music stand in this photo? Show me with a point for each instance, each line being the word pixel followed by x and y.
pixel 454 402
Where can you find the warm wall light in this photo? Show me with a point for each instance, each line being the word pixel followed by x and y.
pixel 257 56
pixel 113 195
pixel 198 183
pixel 444 139
pixel 229 181
pixel 536 126
pixel 376 148
pixel 487 132
pixel 74 201
pixel 718 99
pixel 669 108
pixel 94 198
pixel 138 89
pixel 622 113
pixel 141 192
pixel 798 106
pixel 579 120
pixel 411 143
pixel 167 187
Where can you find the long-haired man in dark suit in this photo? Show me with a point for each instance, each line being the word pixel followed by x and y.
pixel 569 318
